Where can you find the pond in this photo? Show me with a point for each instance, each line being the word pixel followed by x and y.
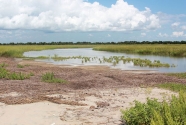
pixel 96 56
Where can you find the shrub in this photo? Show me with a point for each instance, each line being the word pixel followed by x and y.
pixel 157 113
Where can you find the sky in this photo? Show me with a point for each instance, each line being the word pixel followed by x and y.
pixel 92 20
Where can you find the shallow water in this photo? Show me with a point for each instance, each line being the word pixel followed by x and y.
pixel 180 63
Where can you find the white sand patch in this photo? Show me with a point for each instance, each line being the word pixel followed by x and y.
pixel 103 107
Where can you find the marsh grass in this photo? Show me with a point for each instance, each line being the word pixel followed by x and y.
pixel 162 50
pixel 50 78
pixel 18 50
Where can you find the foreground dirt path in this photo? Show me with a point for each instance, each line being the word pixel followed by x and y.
pixel 93 95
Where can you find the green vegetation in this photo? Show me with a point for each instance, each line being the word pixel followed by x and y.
pixel 177 50
pixel 179 75
pixel 50 78
pixel 18 50
pixel 12 75
pixel 113 60
pixel 157 113
pixel 173 86
pixel 153 112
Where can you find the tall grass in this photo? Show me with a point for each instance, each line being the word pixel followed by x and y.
pixel 163 50
pixel 18 50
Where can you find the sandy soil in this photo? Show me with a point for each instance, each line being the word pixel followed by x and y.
pixel 93 95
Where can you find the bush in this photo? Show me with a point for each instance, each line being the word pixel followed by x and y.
pixel 157 113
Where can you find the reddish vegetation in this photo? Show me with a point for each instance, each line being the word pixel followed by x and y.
pixel 34 90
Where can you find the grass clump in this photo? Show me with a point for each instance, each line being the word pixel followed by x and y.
pixel 5 74
pixel 50 78
pixel 17 76
pixel 157 113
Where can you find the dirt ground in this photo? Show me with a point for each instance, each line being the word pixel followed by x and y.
pixel 93 94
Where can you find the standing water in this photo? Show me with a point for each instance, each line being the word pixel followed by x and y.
pixel 180 63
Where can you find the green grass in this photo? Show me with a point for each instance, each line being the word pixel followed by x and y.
pixel 50 78
pixel 178 50
pixel 5 74
pixel 173 86
pixel 18 50
pixel 162 50
pixel 179 75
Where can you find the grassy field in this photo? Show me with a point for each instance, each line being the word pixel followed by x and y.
pixel 178 50
pixel 157 49
pixel 18 50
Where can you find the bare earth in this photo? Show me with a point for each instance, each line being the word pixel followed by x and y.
pixel 94 95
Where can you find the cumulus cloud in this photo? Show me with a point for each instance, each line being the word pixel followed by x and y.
pixel 163 35
pixel 74 15
pixel 178 34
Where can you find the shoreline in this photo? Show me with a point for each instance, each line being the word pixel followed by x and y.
pixel 92 95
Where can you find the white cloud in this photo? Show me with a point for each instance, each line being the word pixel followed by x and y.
pixel 183 27
pixel 178 34
pixel 74 15
pixel 163 35
pixel 176 24
pixel 143 34
pixel 108 35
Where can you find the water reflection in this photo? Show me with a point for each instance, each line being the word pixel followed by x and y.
pixel 88 52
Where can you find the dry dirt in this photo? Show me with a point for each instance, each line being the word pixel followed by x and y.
pixel 93 95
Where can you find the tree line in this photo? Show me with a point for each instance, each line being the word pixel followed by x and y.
pixel 93 43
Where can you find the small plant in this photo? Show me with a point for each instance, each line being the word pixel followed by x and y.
pixel 50 78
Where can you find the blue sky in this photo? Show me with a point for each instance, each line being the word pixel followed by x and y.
pixel 90 20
